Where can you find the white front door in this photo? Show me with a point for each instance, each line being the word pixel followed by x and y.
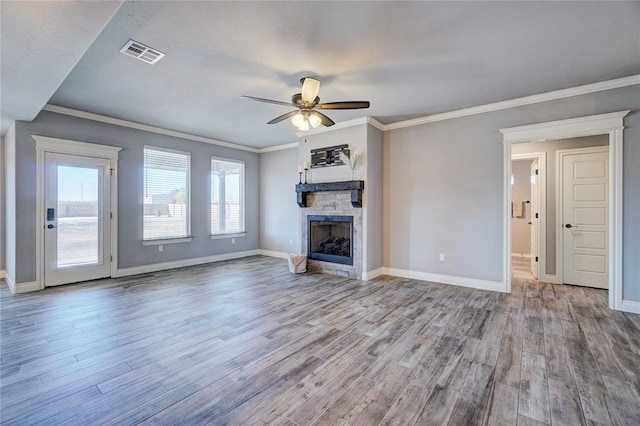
pixel 77 242
pixel 534 218
pixel 585 219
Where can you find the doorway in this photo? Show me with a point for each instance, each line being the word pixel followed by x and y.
pixel 528 193
pixel 77 242
pixel 610 125
pixel 76 192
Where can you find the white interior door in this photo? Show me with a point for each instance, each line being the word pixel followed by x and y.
pixel 534 218
pixel 77 242
pixel 585 218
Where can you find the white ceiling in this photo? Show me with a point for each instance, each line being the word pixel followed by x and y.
pixel 410 59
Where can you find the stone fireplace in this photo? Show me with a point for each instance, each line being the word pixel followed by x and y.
pixel 332 230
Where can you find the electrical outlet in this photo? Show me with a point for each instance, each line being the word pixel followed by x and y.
pixel 441 257
pixel 233 241
pixel 160 248
pixel 290 242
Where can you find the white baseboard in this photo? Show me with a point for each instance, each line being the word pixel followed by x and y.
pixel 17 288
pixel 447 279
pixel 551 279
pixel 527 255
pixel 145 269
pixel 375 273
pixel 630 306
pixel 273 253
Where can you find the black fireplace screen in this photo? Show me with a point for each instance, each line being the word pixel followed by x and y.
pixel 330 239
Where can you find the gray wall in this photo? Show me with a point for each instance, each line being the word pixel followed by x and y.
pixel 373 193
pixel 550 147
pixel 9 155
pixel 354 136
pixel 279 212
pixel 521 191
pixel 3 228
pixel 131 252
pixel 443 187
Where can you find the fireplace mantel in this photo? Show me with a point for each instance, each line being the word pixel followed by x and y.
pixel 355 186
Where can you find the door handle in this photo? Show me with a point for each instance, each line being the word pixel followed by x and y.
pixel 50 226
pixel 568 226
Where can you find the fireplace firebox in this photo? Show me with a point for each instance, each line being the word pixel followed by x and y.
pixel 330 239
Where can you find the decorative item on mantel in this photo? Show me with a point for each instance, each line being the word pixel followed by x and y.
pixel 307 166
pixel 350 160
pixel 329 156
pixel 301 169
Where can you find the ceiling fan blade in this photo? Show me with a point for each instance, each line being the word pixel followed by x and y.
pixel 310 89
pixel 326 121
pixel 344 105
pixel 283 117
pixel 269 101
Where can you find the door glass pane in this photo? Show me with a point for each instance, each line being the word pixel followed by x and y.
pixel 78 207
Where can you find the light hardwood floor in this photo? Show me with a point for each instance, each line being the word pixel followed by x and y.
pixel 246 342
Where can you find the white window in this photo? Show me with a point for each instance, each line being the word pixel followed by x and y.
pixel 166 194
pixel 227 196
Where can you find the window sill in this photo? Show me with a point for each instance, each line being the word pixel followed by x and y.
pixel 166 241
pixel 222 236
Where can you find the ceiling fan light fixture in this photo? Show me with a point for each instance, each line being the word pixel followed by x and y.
pixel 314 120
pixel 301 122
pixel 310 89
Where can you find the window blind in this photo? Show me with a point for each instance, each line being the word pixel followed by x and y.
pixel 166 194
pixel 227 196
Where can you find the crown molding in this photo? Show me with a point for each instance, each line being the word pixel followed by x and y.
pixel 342 125
pixel 278 147
pixel 527 100
pixel 481 109
pixel 144 127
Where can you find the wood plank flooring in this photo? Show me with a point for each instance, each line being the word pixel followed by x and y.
pixel 246 342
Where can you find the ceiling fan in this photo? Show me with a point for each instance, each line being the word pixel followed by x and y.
pixel 307 104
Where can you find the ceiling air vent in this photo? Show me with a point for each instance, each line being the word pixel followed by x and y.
pixel 142 52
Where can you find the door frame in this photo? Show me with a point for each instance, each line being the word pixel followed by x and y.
pixel 542 207
pixel 560 154
pixel 46 144
pixel 610 124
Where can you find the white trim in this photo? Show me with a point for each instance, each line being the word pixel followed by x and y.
pixel 480 109
pixel 523 255
pixel 542 206
pixel 161 242
pixel 446 279
pixel 66 146
pixel 611 124
pixel 273 253
pixel 223 236
pixel 562 129
pixel 517 102
pixel 560 154
pixel 26 287
pixel 46 144
pixel 278 147
pixel 630 306
pixel 551 279
pixel 342 125
pixel 370 275
pixel 375 123
pixel 144 127
pixel 154 267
